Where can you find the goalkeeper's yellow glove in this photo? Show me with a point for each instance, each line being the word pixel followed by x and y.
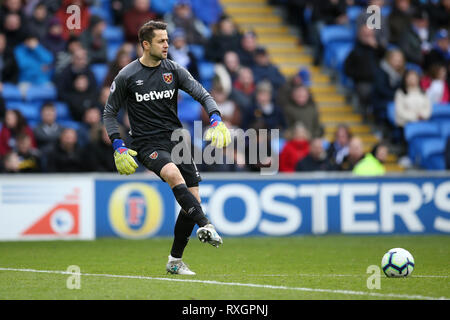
pixel 123 157
pixel 218 133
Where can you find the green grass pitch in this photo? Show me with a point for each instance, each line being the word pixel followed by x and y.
pixel 309 267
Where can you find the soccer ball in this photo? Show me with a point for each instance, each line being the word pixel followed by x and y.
pixel 397 262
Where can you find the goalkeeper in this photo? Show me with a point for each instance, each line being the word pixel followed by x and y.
pixel 148 88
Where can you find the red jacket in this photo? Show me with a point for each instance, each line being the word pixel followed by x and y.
pixel 133 21
pixel 6 136
pixel 71 18
pixel 293 152
pixel 425 82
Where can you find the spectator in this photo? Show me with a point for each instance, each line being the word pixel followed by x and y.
pixel 439 14
pixel 13 126
pixel 53 40
pixel 263 69
pixel 2 106
pixel 29 157
pixel 8 66
pixel 361 64
pixel 414 42
pixel 232 64
pixel 88 130
pixel 264 110
pixel 339 148
pixel 82 96
pixel 225 38
pixel 436 84
pixel 135 17
pixel 103 98
pixel 440 52
pixel 11 162
pixel 399 20
pixel 66 155
pixel 295 149
pixel 230 113
pixel 302 107
pixel 245 85
pixel 99 154
pixel 65 58
pixel 48 131
pixel 122 58
pixel 71 26
pixel 386 82
pixel 179 52
pixel 381 34
pixel 372 163
pixel 11 6
pixel 247 49
pixel 14 28
pixel 34 62
pixel 316 160
pixel 92 40
pixel 119 7
pixel 302 77
pixel 183 18
pixel 411 103
pixel 39 21
pixel 355 154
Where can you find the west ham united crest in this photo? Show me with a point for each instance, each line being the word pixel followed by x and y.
pixel 154 155
pixel 168 77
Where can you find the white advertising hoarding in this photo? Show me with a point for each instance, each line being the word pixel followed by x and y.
pixel 46 208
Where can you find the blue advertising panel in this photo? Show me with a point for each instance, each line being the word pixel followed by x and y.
pixel 281 206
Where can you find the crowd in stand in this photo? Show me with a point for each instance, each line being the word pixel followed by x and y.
pixel 37 48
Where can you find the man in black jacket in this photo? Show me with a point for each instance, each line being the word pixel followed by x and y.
pixel 361 64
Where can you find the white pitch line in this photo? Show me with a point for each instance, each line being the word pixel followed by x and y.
pixel 251 285
pixel 328 275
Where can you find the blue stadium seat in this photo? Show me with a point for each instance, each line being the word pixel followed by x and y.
pixel 332 36
pixel 70 124
pixel 445 129
pixel 391 112
pixel 112 50
pixel 189 110
pixel 99 70
pixel 113 34
pixel 416 133
pixel 62 111
pixel 198 51
pixel 30 110
pixel 11 92
pixel 432 154
pixel 440 112
pixel 206 70
pixel 162 6
pixel 41 93
pixel 353 12
pixel 102 12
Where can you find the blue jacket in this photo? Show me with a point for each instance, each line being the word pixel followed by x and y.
pixel 34 64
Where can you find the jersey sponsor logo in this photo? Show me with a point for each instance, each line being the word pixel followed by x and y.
pixel 154 155
pixel 155 95
pixel 167 77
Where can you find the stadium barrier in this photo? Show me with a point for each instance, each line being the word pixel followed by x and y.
pixel 142 206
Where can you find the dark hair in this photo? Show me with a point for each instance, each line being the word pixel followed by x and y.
pixel 48 104
pixel 21 122
pixel 146 32
pixel 403 85
pixel 378 146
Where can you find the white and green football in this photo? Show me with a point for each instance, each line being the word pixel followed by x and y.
pixel 397 263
